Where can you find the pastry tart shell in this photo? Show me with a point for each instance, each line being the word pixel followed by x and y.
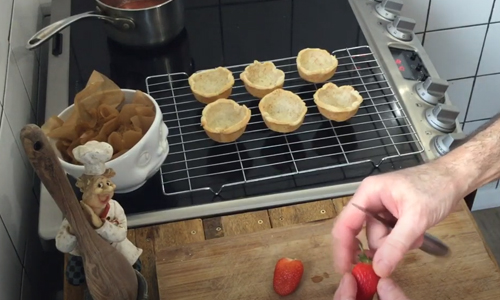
pixel 212 84
pixel 282 111
pixel 224 120
pixel 261 79
pixel 316 65
pixel 338 104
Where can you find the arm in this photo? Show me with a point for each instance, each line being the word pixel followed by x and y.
pixel 65 241
pixel 475 162
pixel 419 197
pixel 111 232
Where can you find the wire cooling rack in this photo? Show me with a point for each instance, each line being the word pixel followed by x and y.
pixel 378 132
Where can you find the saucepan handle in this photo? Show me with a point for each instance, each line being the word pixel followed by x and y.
pixel 49 31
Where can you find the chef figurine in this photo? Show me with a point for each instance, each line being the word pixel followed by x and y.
pixel 103 213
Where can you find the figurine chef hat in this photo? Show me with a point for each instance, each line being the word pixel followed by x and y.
pixel 93 155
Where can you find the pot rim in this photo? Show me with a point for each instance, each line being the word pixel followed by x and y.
pixel 133 9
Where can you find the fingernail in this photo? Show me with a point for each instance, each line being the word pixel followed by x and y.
pixel 383 268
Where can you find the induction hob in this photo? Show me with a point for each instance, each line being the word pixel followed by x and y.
pixel 228 33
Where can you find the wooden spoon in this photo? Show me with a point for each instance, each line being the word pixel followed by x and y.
pixel 108 274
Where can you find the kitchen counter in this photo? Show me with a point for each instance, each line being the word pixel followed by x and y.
pixel 459 230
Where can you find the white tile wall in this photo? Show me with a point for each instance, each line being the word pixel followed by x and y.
pixel 420 37
pixel 19 111
pixel 18 206
pixel 455 53
pixel 459 93
pixel 455 33
pixel 11 271
pixel 490 60
pixel 486 197
pixel 24 19
pixel 485 102
pixel 4 58
pixel 496 13
pixel 470 127
pixel 416 10
pixel 454 13
pixel 15 198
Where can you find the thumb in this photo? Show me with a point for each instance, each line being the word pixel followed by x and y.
pixel 388 290
pixel 347 288
pixel 407 231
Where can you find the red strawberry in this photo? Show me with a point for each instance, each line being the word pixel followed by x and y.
pixel 287 275
pixel 366 278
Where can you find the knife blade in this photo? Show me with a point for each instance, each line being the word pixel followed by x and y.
pixel 431 244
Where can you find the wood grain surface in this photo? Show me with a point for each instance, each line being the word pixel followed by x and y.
pixel 108 274
pixel 215 228
pixel 241 267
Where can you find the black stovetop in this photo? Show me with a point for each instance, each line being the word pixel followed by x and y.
pixel 221 33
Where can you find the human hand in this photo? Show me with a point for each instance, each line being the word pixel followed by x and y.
pixel 387 289
pixel 91 215
pixel 419 197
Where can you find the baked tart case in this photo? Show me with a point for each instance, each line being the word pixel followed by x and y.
pixel 316 65
pixel 261 78
pixel 212 84
pixel 337 103
pixel 282 111
pixel 224 120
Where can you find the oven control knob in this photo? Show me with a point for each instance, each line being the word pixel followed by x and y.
pixel 389 9
pixel 445 143
pixel 402 28
pixel 442 117
pixel 432 89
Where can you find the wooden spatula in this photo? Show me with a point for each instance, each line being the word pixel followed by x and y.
pixel 108 274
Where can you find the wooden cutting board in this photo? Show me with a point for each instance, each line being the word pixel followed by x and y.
pixel 241 267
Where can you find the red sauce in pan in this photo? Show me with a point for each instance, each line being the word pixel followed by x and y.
pixel 139 4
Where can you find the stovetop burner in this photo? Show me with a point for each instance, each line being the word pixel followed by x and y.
pixel 320 156
pixel 353 145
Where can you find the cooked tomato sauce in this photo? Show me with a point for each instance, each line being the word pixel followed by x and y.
pixel 140 4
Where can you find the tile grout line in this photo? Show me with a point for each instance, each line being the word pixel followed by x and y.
pixel 459 27
pixel 426 22
pixel 472 76
pixel 21 262
pixel 9 53
pixel 11 19
pixel 1 218
pixel 464 26
pixel 30 96
pixel 479 62
pixel 8 58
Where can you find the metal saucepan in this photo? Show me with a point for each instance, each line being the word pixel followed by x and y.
pixel 141 23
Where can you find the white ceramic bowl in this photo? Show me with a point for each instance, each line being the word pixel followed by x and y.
pixel 137 165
